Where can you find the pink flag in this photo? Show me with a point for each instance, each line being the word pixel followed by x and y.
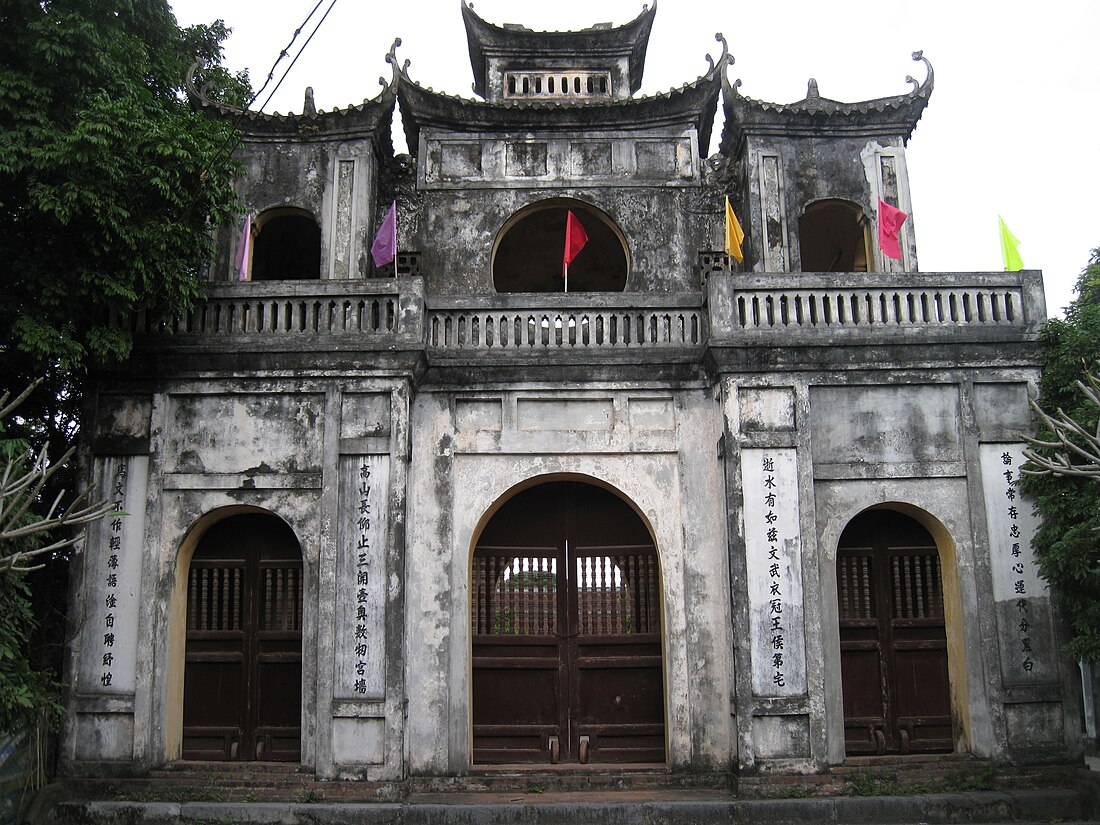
pixel 384 248
pixel 575 238
pixel 890 219
pixel 245 248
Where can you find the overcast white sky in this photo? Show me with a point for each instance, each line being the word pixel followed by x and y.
pixel 1013 126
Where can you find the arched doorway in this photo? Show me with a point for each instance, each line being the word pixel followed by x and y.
pixel 566 626
pixel 242 688
pixel 530 250
pixel 834 236
pixel 893 638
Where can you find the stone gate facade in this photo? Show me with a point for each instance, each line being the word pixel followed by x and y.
pixel 412 519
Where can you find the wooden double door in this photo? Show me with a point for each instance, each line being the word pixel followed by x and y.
pixel 893 640
pixel 243 670
pixel 566 620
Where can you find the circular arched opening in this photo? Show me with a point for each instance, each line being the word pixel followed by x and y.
pixel 530 250
pixel 566 617
pixel 287 246
pixel 834 236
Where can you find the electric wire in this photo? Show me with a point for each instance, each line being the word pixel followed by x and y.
pixel 234 140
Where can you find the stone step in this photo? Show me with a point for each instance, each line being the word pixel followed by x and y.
pixel 669 808
pixel 512 778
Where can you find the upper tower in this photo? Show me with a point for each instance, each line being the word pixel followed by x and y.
pixel 809 176
pixel 559 130
pixel 309 183
pixel 600 63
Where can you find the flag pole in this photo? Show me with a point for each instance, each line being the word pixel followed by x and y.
pixel 567 277
pixel 395 238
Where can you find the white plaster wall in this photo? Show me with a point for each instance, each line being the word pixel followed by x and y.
pixel 946 501
pixel 457 477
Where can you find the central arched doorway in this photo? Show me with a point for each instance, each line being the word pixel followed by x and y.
pixel 566 624
pixel 893 637
pixel 242 696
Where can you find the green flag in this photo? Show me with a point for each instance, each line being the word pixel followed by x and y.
pixel 1009 244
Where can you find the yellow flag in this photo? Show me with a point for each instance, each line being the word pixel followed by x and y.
pixel 734 234
pixel 1013 261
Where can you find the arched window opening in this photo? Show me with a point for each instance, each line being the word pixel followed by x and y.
pixel 287 246
pixel 531 246
pixel 893 637
pixel 834 236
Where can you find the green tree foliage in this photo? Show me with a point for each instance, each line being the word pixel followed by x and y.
pixel 1067 545
pixel 110 186
pixel 109 182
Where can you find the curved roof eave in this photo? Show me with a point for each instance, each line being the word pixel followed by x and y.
pixel 631 38
pixel 818 116
pixel 692 104
pixel 371 118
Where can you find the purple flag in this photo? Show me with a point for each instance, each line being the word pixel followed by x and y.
pixel 244 250
pixel 384 248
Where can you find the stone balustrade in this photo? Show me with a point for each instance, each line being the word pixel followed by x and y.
pixel 736 309
pixel 873 305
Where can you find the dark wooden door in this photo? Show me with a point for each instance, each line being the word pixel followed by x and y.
pixel 565 612
pixel 893 641
pixel 243 674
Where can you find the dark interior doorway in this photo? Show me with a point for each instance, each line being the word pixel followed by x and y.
pixel 566 619
pixel 288 246
pixel 893 640
pixel 834 236
pixel 242 695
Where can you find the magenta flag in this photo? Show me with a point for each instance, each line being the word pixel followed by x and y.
pixel 890 219
pixel 384 248
pixel 244 249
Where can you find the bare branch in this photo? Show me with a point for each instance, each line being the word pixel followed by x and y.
pixel 7 409
pixel 1074 452
pixel 23 478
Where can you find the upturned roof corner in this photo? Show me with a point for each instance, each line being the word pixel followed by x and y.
pixel 814 115
pixel 371 118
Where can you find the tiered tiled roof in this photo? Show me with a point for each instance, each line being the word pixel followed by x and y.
pixel 816 116
pixel 486 40
pixel 371 118
pixel 692 104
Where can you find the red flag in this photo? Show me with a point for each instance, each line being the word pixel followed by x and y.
pixel 890 219
pixel 575 238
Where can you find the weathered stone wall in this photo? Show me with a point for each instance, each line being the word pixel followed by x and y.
pixel 866 440
pixel 784 175
pixel 201 451
pixel 648 184
pixel 313 450
pixel 656 448
pixel 335 181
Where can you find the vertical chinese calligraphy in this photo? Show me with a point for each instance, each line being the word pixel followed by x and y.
pixel 362 574
pixel 115 526
pixel 360 577
pixel 774 563
pixel 112 566
pixel 775 592
pixel 1023 610
pixel 1019 583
